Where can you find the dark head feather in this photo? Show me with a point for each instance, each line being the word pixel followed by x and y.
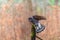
pixel 39 17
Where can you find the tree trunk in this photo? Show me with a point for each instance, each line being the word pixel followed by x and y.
pixel 14 23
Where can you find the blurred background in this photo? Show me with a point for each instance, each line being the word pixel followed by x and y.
pixel 14 14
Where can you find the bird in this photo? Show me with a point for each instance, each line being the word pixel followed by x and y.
pixel 35 20
pixel 37 17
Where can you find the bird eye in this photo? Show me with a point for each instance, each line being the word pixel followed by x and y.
pixel 30 19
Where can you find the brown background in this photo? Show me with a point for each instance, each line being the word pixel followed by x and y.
pixel 14 24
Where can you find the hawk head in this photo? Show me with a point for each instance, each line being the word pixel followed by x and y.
pixel 36 17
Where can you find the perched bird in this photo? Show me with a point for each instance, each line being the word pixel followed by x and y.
pixel 35 20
